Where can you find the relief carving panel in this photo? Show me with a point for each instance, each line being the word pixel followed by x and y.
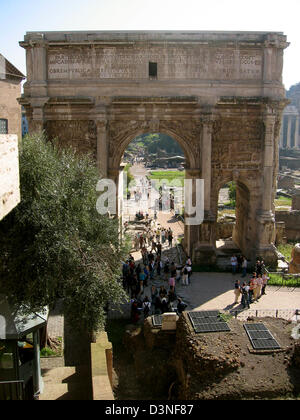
pixel 81 135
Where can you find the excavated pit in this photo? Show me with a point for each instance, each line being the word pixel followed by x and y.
pixel 153 364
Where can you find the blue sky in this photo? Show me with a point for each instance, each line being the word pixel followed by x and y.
pixel 17 17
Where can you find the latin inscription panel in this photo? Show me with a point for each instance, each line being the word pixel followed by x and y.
pixel 188 62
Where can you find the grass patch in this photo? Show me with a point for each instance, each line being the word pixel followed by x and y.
pixel 279 280
pixel 286 250
pixel 49 352
pixel 172 178
pixel 283 201
pixel 226 317
pixel 166 174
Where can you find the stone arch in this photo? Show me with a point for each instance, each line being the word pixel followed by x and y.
pixel 118 143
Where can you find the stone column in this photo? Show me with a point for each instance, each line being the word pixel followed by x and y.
pixel 38 67
pixel 36 121
pixel 191 231
pixel 99 115
pixel 203 236
pixel 114 174
pixel 297 140
pixel 281 144
pixel 289 138
pixel 206 148
pixel 265 217
pixel 102 147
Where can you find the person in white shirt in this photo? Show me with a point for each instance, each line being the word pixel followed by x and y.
pixel 233 264
pixel 244 267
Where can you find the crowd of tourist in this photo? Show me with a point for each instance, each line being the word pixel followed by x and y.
pixel 255 288
pixel 137 277
pixel 154 237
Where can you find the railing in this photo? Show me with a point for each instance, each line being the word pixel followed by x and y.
pixel 288 314
pixel 12 391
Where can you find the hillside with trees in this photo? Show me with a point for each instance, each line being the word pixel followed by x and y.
pixel 151 146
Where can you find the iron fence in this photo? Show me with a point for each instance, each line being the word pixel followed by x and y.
pixel 288 314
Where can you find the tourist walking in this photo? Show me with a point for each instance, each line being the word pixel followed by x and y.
pixel 244 266
pixel 259 285
pixel 245 295
pixel 166 270
pixel 146 307
pixel 172 282
pixel 252 285
pixel 265 279
pixel 163 236
pixel 178 273
pixel 180 306
pixel 185 276
pixel 255 288
pixel 237 292
pixel 170 237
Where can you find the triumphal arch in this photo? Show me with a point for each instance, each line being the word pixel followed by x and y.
pixel 219 94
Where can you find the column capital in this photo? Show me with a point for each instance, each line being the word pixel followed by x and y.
pixel 101 124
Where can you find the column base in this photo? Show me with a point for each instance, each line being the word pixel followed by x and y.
pixel 268 254
pixel 204 255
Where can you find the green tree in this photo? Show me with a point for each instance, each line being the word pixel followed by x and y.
pixel 232 193
pixel 54 244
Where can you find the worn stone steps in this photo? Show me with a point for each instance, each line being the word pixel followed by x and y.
pixel 67 392
pixel 66 383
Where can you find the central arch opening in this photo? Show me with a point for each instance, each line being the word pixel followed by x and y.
pixel 153 188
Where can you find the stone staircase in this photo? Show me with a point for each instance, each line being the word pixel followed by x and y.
pixel 225 250
pixel 66 383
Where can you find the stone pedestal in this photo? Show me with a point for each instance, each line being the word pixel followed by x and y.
pixel 204 251
pixel 169 320
pixel 266 232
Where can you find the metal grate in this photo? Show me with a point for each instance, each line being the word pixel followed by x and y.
pixel 207 321
pixel 260 337
pixel 204 314
pixel 211 327
pixel 157 320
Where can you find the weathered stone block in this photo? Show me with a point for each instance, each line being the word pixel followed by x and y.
pixel 9 174
pixel 169 321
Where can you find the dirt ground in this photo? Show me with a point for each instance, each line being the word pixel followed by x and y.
pixel 218 365
pixel 251 374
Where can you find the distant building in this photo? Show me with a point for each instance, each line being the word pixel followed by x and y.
pixel 289 136
pixel 10 89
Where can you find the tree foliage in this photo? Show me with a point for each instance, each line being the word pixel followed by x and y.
pixel 232 193
pixel 154 143
pixel 54 243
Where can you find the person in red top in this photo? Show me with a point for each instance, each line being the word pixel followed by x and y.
pixel 252 286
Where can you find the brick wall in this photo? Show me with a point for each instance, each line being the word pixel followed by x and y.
pixel 9 107
pixel 9 174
